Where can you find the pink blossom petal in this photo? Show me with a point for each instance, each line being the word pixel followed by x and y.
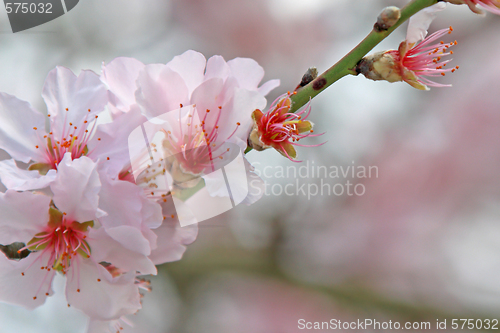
pixel 24 214
pixel 247 71
pixel 217 68
pixel 172 238
pixel 17 135
pixel 130 238
pixel 63 89
pixel 76 188
pixel 22 180
pixel 190 66
pixel 268 86
pixel 209 96
pixel 103 326
pixel 420 22
pixel 120 76
pixel 150 236
pixel 121 200
pixel 151 213
pixel 110 142
pixel 16 288
pixel 243 103
pixel 107 249
pixel 126 205
pixel 160 90
pixel 230 86
pixel 105 300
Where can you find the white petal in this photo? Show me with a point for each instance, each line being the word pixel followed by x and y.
pixel 76 188
pixel 63 89
pixel 190 66
pixel 161 90
pixel 18 289
pixel 247 71
pixel 105 248
pixel 17 136
pixel 104 300
pixel 120 76
pixel 217 68
pixel 420 22
pixel 22 180
pixel 268 86
pixel 241 107
pixel 24 214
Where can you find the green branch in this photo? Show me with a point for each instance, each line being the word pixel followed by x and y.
pixel 347 64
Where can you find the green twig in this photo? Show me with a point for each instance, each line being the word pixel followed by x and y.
pixel 347 64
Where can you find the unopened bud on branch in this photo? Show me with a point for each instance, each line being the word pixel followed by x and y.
pixel 387 18
pixel 310 75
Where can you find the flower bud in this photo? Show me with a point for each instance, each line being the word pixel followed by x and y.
pixel 387 18
pixel 381 66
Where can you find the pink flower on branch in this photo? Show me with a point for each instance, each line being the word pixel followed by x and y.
pixel 280 129
pixel 418 59
pixel 493 6
pixel 418 63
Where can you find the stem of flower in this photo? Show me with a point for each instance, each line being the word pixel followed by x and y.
pixel 347 64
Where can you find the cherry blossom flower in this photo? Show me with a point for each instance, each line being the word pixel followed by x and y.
pixel 64 234
pixel 420 62
pixel 493 6
pixel 280 129
pixel 418 59
pixel 73 103
pixel 219 96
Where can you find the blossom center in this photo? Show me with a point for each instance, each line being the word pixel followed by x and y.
pixel 194 149
pixel 63 240
pixel 426 58
pixel 73 138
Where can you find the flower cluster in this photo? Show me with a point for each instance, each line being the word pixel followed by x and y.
pixel 87 205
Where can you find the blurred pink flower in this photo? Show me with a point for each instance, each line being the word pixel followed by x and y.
pixel 244 304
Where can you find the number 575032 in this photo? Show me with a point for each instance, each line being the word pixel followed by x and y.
pixel 24 8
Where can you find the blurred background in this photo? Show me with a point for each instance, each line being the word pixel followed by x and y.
pixel 420 244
